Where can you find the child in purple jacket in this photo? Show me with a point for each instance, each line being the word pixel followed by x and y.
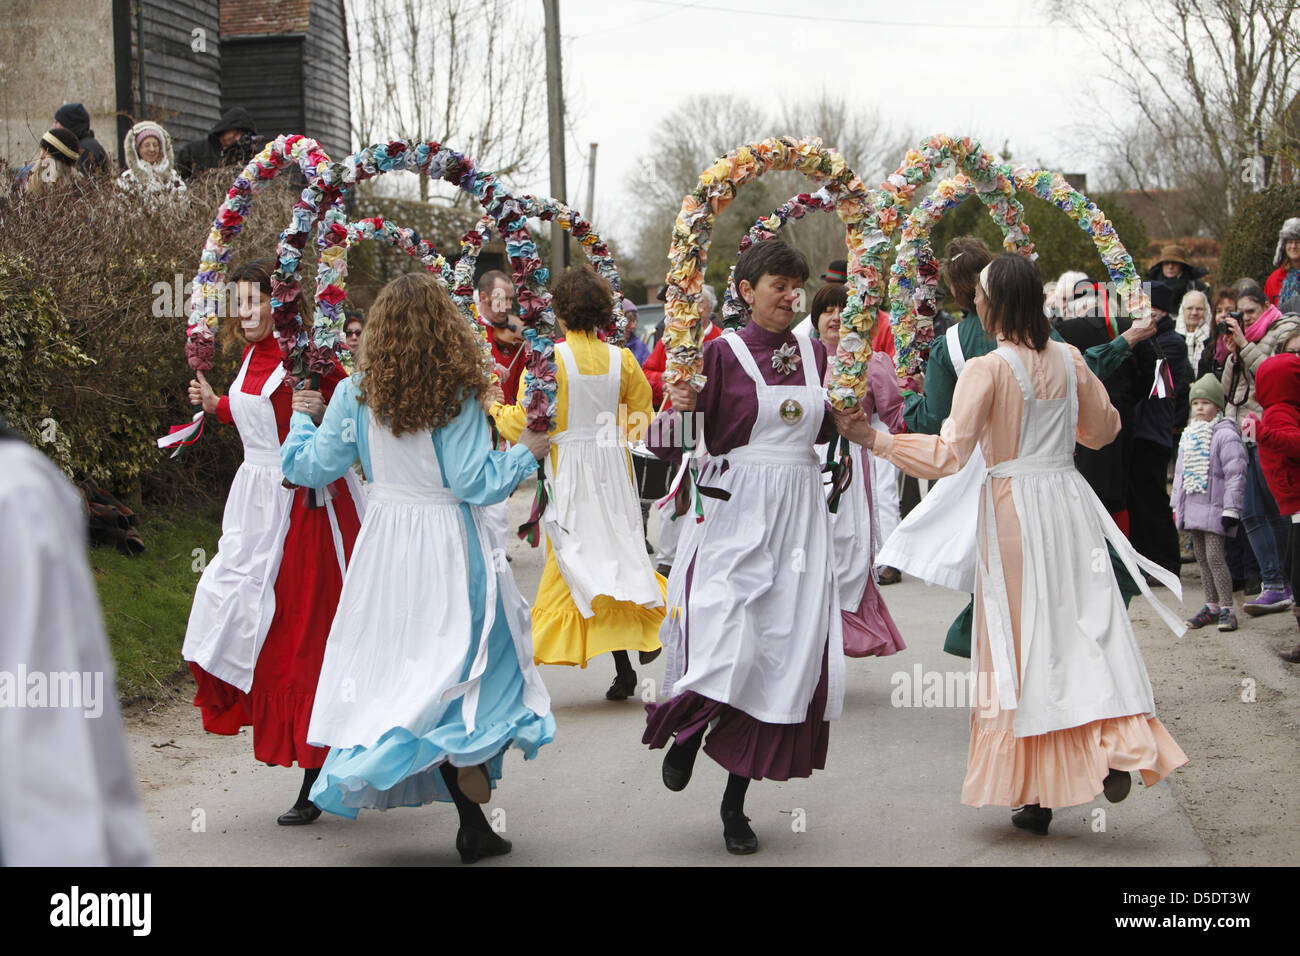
pixel 1209 483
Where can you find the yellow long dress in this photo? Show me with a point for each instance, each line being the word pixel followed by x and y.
pixel 561 635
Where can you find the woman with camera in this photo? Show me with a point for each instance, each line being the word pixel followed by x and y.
pixel 1253 333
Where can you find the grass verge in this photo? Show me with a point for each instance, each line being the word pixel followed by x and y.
pixel 146 600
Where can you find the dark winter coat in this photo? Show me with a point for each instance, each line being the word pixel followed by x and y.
pixel 74 118
pixel 1106 469
pixel 1187 280
pixel 1158 417
pixel 207 153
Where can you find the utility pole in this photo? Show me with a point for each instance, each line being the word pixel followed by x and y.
pixel 555 113
pixel 590 209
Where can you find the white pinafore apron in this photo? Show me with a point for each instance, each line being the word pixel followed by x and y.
pixel 936 541
pixel 1079 659
pixel 235 600
pixel 764 604
pixel 403 630
pixel 593 517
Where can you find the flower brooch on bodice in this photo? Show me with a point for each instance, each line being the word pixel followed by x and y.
pixel 786 359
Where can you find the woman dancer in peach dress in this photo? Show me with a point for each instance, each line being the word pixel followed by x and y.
pixel 1062 706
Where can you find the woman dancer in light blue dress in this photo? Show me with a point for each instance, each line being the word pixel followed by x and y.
pixel 428 673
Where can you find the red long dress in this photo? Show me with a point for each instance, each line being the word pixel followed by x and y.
pixel 306 594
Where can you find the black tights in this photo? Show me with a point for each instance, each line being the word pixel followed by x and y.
pixel 622 664
pixel 308 778
pixel 470 813
pixel 733 798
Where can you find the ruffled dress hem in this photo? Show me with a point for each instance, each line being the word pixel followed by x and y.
pixel 563 636
pixel 402 770
pixel 742 744
pixel 1065 768
pixel 274 717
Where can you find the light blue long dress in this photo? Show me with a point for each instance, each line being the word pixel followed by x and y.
pixel 430 655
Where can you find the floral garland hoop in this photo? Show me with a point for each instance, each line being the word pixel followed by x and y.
pixel 598 254
pixel 890 203
pixel 734 313
pixel 204 308
pixel 337 235
pixel 914 276
pixel 1054 188
pixel 689 252
pixel 305 353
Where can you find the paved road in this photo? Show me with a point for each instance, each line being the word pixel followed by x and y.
pixel 889 795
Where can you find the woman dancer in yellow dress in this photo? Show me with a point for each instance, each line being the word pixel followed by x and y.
pixel 599 593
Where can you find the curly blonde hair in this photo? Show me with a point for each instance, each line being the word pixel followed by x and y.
pixel 418 357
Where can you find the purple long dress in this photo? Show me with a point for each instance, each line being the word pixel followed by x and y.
pixel 727 409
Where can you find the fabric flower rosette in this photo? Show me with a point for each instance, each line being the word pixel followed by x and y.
pixel 305 354
pixel 914 276
pixel 735 313
pixel 689 252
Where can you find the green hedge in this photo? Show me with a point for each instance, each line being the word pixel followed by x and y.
pixel 1060 243
pixel 1252 233
pixel 92 364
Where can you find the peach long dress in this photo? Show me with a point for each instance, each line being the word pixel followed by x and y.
pixel 1077 701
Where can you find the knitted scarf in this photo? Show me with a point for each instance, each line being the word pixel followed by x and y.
pixel 1195 447
pixel 1290 286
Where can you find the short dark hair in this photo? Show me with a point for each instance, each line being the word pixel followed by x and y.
pixel 1015 296
pixel 582 299
pixel 488 281
pixel 1254 292
pixel 831 295
pixel 770 257
pixel 965 258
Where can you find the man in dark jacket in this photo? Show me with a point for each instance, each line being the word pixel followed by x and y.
pixel 1178 273
pixel 231 142
pixel 1155 422
pixel 74 118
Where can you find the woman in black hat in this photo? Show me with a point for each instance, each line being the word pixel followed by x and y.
pixel 1178 272
pixel 55 166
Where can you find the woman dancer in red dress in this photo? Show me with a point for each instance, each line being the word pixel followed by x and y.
pixel 263 608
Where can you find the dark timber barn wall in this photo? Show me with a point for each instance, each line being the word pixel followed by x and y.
pixel 287 64
pixel 182 86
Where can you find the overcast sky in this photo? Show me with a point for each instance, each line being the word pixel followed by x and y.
pixel 997 71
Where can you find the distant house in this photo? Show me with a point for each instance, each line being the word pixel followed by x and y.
pixel 1165 213
pixel 180 63
pixel 1282 162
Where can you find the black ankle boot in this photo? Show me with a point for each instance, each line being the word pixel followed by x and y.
pixel 1117 785
pixel 737 834
pixel 679 763
pixel 473 845
pixel 624 686
pixel 303 811
pixel 1033 818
